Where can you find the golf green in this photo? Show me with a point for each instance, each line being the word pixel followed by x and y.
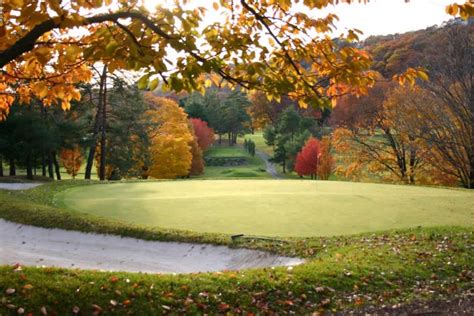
pixel 273 207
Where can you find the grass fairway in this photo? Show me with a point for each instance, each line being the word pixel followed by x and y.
pixel 273 207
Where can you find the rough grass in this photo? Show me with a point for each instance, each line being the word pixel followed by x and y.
pixel 273 207
pixel 255 168
pixel 341 273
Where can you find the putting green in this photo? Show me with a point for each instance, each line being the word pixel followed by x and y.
pixel 273 207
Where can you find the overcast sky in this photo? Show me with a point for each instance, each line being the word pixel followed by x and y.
pixel 379 17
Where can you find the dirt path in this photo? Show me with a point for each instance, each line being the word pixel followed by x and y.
pixel 270 166
pixel 34 246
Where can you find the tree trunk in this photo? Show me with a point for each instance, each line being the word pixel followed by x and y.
pixel 50 166
pixel 471 163
pixel 97 123
pixel 1 166
pixel 29 169
pixel 220 139
pixel 12 167
pixel 56 166
pixel 43 164
pixel 103 136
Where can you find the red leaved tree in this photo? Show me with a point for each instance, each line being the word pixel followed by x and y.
pixel 307 159
pixel 204 134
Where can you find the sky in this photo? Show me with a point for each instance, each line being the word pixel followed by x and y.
pixel 378 17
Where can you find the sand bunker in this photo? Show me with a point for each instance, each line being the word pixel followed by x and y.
pixel 34 246
pixel 18 186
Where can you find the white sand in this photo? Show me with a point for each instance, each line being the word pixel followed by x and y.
pixel 18 186
pixel 34 246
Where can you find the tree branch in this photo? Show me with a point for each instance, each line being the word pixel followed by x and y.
pixel 27 42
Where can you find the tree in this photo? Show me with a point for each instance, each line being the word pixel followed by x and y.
pixel 249 146
pixel 99 127
pixel 370 136
pixel 127 130
pixel 128 37
pixel 31 137
pixel 307 160
pixel 234 115
pixel 197 162
pixel 203 133
pixel 264 112
pixel 326 161
pixel 170 137
pixel 450 129
pixel 288 136
pixel 71 159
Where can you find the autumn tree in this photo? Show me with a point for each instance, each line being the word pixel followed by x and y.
pixel 372 141
pixel 264 112
pixel 288 136
pixel 197 162
pixel 204 134
pixel 327 163
pixel 450 120
pixel 250 47
pixel 71 159
pixel 170 152
pixel 307 160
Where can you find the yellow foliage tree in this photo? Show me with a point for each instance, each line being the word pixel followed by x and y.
pixel 170 138
pixel 71 160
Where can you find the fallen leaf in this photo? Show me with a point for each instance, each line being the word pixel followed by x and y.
pixel 223 307
pixel 95 306
pixel 325 302
pixel 10 291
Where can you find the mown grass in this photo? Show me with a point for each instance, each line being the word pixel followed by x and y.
pixel 226 151
pixel 259 141
pixel 273 207
pixel 340 273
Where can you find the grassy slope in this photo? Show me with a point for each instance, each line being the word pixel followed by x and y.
pixel 274 207
pixel 257 137
pixel 254 169
pixel 375 269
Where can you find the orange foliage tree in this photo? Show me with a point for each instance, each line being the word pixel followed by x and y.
pixel 41 56
pixel 71 159
pixel 197 162
pixel 326 161
pixel 170 138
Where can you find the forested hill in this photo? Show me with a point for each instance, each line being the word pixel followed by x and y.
pixel 395 53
